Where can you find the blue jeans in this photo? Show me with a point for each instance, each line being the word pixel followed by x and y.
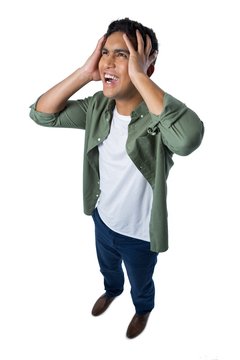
pixel 113 249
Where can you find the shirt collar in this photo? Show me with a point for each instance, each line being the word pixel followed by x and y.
pixel 140 111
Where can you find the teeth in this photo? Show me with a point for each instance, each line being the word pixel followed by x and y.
pixel 109 76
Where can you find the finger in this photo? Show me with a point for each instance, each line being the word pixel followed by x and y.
pixel 140 42
pixel 153 57
pixel 148 46
pixel 101 42
pixel 128 43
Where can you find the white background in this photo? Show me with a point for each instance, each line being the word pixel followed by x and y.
pixel 49 276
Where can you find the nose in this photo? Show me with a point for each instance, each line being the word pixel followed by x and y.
pixel 109 61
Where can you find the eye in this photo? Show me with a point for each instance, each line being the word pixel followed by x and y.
pixel 122 54
pixel 104 52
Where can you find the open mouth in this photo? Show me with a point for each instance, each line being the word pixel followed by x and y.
pixel 110 79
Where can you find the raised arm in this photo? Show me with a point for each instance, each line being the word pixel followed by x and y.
pixel 54 100
pixel 140 68
pixel 181 129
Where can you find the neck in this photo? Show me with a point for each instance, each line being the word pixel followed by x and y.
pixel 126 107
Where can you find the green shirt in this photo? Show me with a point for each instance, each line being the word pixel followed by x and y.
pixel 151 142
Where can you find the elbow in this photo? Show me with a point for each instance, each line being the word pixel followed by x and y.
pixel 41 118
pixel 187 148
pixel 190 143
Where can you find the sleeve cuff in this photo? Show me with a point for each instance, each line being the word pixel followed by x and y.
pixel 173 109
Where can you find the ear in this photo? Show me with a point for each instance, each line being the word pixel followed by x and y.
pixel 150 70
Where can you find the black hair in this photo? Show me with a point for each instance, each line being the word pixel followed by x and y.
pixel 129 27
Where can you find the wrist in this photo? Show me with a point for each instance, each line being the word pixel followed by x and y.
pixel 84 75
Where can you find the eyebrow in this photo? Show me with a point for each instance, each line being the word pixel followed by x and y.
pixel 118 50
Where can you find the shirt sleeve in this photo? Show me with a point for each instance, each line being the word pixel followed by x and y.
pixel 180 127
pixel 72 116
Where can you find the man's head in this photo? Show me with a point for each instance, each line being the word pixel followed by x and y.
pixel 129 27
pixel 114 62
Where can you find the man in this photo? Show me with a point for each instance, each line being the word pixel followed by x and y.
pixel 132 128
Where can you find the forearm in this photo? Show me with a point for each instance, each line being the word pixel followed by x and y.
pixel 150 92
pixel 180 127
pixel 54 100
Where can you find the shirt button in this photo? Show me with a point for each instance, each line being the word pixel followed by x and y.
pixel 141 116
pixel 97 195
pixel 99 139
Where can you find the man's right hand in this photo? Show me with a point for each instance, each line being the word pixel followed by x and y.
pixel 91 65
pixel 54 100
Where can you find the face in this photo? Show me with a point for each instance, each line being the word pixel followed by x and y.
pixel 113 69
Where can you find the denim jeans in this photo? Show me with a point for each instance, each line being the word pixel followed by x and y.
pixel 113 249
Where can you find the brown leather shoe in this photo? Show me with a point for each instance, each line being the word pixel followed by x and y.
pixel 137 325
pixel 102 304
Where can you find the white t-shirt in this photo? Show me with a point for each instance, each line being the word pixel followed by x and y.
pixel 126 197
